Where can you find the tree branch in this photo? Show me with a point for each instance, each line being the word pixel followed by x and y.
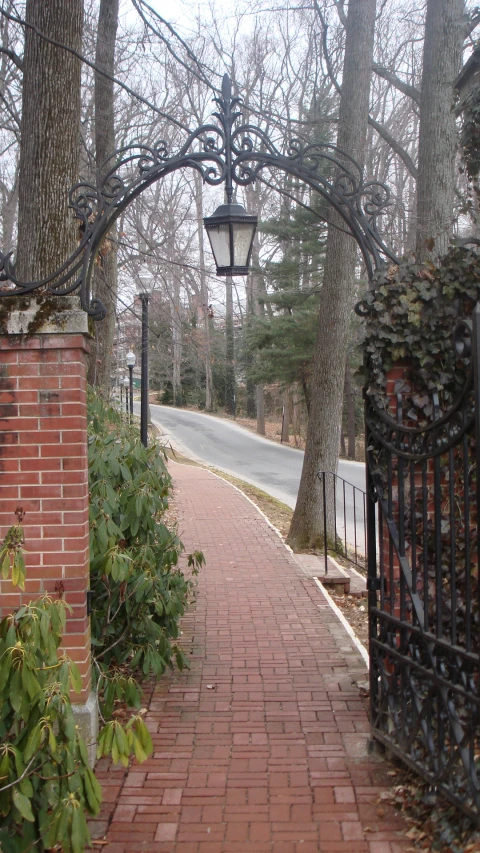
pixel 86 61
pixel 325 47
pixel 387 136
pixel 410 91
pixel 137 4
pixel 13 57
pixel 472 22
pixel 340 7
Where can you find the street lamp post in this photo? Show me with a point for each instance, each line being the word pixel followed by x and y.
pixel 146 287
pixel 131 359
pixel 144 372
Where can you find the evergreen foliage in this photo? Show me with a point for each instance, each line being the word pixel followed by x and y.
pixel 46 784
pixel 285 336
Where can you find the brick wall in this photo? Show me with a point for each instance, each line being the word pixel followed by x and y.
pixel 43 469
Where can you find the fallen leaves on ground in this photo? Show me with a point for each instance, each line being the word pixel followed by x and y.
pixel 355 611
pixel 435 826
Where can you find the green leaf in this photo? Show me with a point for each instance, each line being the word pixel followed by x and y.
pixel 79 831
pixel 26 787
pixel 140 755
pixel 23 806
pixel 96 787
pixel 121 740
pixel 33 742
pixel 145 737
pixel 82 750
pixel 52 742
pixel 5 671
pixel 29 681
pixel 6 566
pixel 16 695
pixel 21 569
pixel 4 768
pixel 75 677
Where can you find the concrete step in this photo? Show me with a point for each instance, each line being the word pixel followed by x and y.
pixel 341 578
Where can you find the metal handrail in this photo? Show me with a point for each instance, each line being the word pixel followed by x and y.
pixel 339 487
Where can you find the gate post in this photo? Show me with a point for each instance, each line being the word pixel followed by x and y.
pixel 44 467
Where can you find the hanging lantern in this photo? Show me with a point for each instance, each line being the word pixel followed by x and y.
pixel 231 231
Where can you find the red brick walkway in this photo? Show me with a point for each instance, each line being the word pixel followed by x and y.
pixel 261 746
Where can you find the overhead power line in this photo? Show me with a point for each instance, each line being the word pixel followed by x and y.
pixel 15 19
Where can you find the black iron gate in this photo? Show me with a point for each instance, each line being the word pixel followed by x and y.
pixel 423 486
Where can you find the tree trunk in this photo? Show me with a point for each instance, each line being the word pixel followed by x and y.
pixel 286 417
pixel 296 414
pixel 260 399
pixel 350 412
pixel 176 344
pixel 442 59
pixel 258 285
pixel 229 350
pixel 50 137
pixel 105 283
pixel 249 356
pixel 337 293
pixel 204 296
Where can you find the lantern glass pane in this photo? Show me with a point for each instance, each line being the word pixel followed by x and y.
pixel 219 237
pixel 242 239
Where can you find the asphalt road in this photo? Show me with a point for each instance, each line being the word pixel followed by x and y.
pixel 272 467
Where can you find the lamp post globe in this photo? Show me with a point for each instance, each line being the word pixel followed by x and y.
pixel 131 360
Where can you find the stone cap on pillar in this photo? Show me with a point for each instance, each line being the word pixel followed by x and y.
pixel 49 314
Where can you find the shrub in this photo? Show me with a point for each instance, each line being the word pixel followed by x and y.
pixel 46 784
pixel 138 592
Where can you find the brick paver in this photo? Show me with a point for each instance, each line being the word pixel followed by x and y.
pixel 261 746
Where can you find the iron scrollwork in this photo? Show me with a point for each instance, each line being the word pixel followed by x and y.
pixel 424 612
pixel 228 152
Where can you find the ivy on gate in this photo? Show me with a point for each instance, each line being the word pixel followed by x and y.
pixel 411 313
pixel 470 133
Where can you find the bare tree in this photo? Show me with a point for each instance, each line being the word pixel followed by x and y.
pixel 49 137
pixel 105 278
pixel 442 58
pixel 337 293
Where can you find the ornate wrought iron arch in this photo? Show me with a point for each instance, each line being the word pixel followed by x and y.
pixel 228 152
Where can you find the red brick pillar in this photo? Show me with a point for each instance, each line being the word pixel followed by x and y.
pixel 43 465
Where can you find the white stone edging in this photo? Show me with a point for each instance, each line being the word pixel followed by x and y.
pixel 361 648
